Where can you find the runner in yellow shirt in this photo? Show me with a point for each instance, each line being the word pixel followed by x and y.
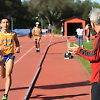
pixel 7 41
pixel 36 32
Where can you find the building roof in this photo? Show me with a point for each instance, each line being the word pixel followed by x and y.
pixel 63 20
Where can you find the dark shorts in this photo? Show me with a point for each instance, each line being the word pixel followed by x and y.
pixel 36 39
pixel 95 91
pixel 49 30
pixel 7 57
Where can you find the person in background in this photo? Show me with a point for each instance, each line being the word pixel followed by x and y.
pixel 44 31
pixel 7 50
pixel 80 31
pixel 37 33
pixel 92 56
pixel 62 30
pixel 87 33
pixel 49 29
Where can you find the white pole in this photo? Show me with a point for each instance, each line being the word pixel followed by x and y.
pixel 68 44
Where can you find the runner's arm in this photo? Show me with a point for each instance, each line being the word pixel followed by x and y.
pixel 17 50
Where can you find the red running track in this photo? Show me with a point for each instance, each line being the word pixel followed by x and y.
pixel 26 64
pixel 59 79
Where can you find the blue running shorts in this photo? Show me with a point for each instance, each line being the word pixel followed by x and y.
pixel 9 56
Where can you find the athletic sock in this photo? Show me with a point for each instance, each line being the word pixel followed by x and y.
pixel 38 48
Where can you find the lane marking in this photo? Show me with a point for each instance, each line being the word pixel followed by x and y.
pixel 30 42
pixel 24 55
pixel 31 86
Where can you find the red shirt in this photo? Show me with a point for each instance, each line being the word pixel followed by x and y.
pixel 93 57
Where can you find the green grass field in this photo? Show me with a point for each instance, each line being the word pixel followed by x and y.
pixel 85 63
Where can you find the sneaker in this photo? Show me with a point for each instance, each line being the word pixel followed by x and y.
pixel 5 97
pixel 88 41
pixel 68 56
pixel 37 50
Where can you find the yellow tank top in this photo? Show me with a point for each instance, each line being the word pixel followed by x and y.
pixel 8 41
pixel 37 31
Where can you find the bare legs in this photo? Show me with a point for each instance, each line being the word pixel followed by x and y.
pixel 37 45
pixel 88 39
pixel 6 73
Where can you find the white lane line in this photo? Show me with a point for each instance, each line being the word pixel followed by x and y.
pixel 51 40
pixel 30 42
pixel 31 86
pixel 24 55
pixel 26 43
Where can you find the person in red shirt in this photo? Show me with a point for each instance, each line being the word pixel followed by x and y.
pixel 94 55
pixel 87 32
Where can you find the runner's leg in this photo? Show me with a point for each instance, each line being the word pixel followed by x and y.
pixel 9 67
pixel 38 43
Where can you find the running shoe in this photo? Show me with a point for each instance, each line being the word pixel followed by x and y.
pixel 36 50
pixel 5 97
pixel 39 50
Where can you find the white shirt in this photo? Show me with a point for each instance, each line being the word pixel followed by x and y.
pixel 79 31
pixel 86 27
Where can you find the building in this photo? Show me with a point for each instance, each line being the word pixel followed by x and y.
pixel 70 25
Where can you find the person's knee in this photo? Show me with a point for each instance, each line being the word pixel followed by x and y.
pixel 8 75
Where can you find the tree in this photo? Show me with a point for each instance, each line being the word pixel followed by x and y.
pixel 46 11
pixel 95 5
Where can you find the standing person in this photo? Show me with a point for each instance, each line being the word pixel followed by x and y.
pixel 94 55
pixel 36 32
pixel 44 31
pixel 49 29
pixel 87 33
pixel 80 31
pixel 62 30
pixel 7 41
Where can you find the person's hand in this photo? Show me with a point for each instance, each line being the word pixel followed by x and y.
pixel 1 47
pixel 17 50
pixel 76 45
pixel 73 49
